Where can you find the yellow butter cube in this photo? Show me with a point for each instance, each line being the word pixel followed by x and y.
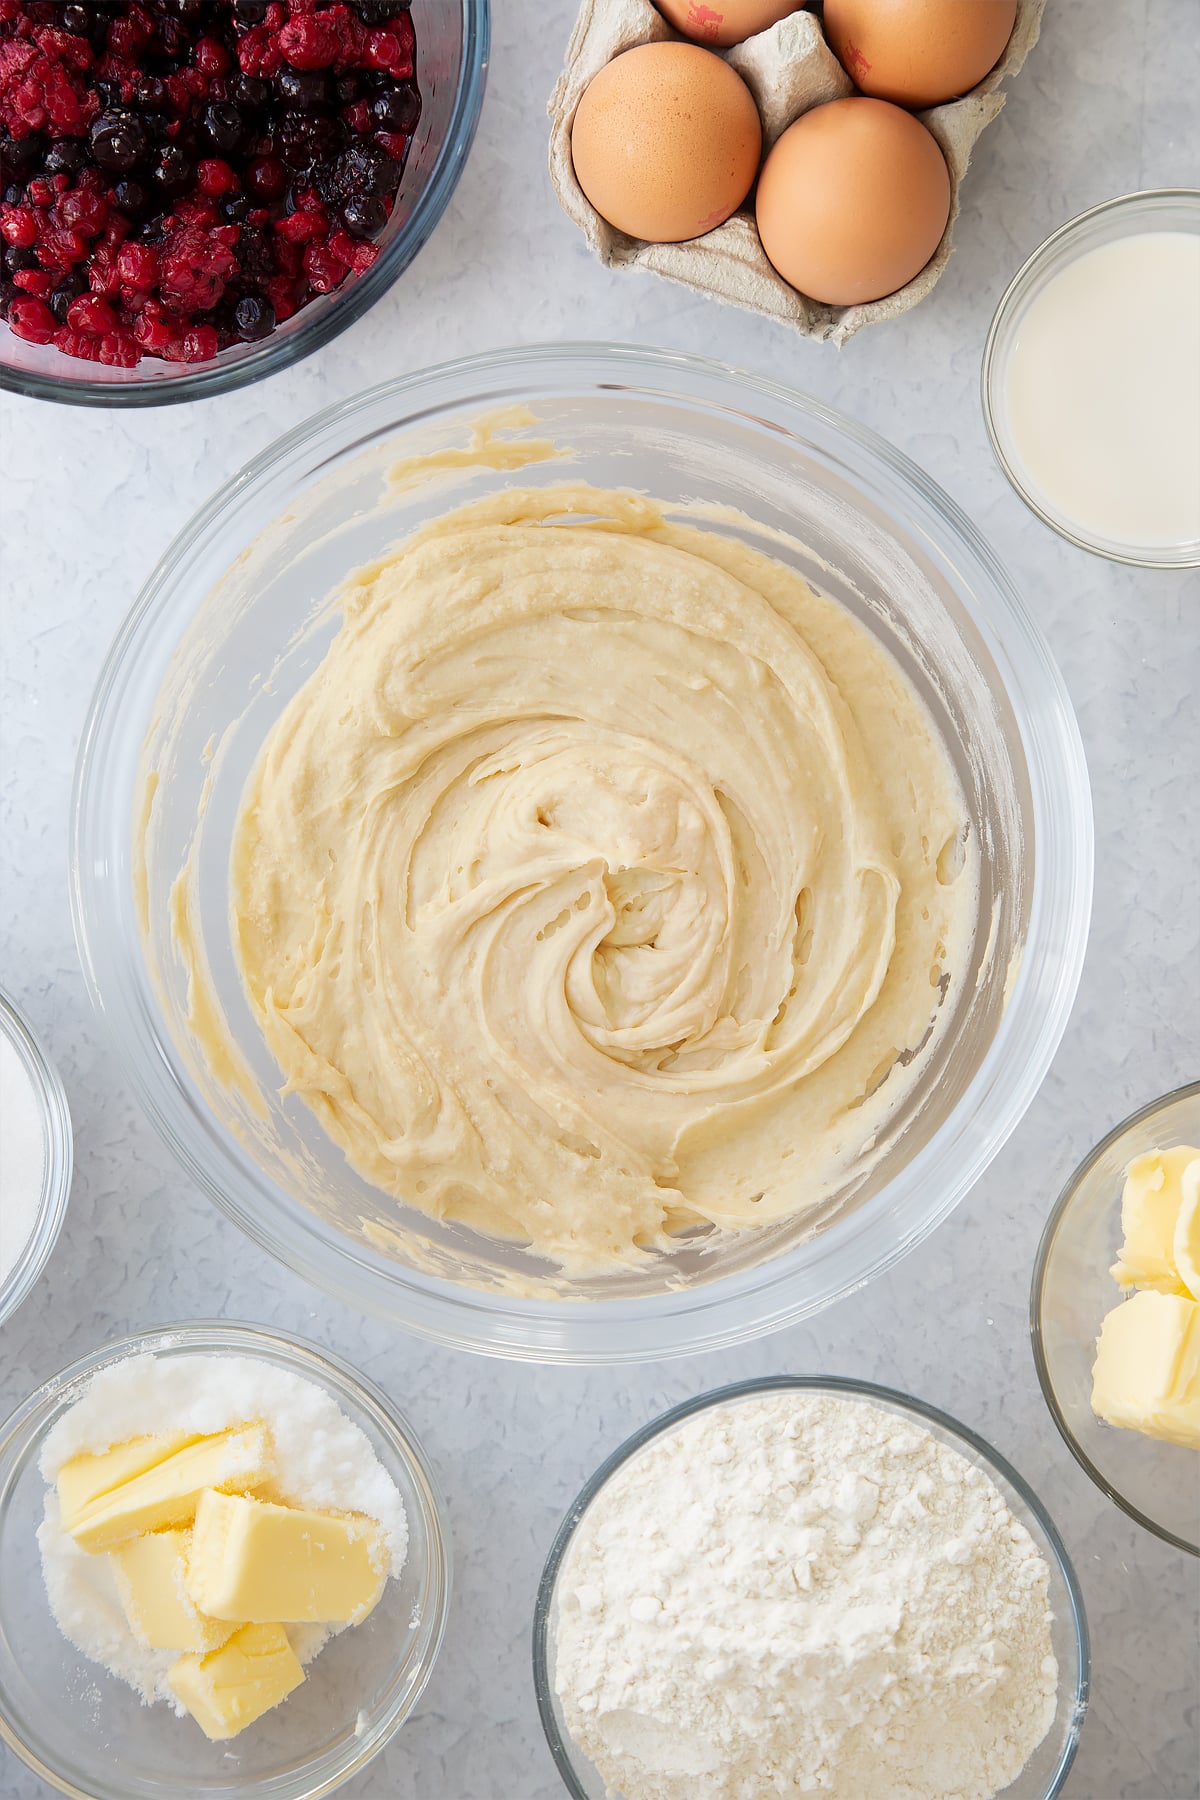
pixel 87 1476
pixel 150 1573
pixel 251 1559
pixel 1150 1207
pixel 229 1688
pixel 165 1495
pixel 1146 1376
pixel 1187 1230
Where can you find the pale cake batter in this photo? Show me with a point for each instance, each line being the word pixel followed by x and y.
pixel 603 881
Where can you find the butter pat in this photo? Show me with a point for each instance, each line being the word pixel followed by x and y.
pixel 231 1687
pixel 165 1494
pixel 1150 1207
pixel 150 1574
pixel 82 1480
pixel 1146 1376
pixel 253 1560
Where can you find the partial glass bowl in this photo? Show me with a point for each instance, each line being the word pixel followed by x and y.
pixel 90 1736
pixel 57 1158
pixel 1046 1771
pixel 452 58
pixel 1155 1483
pixel 1158 209
pixel 235 619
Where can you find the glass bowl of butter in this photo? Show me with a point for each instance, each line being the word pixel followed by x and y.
pixel 141 1578
pixel 1115 1316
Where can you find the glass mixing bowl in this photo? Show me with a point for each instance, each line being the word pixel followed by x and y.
pixel 452 58
pixel 1155 1483
pixel 233 621
pixel 57 1158
pixel 1045 1772
pixel 89 1735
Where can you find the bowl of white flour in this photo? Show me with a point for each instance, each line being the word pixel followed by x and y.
pixel 809 1586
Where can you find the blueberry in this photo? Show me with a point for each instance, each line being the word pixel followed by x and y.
pixel 254 318
pixel 378 12
pixel 20 156
pixel 66 291
pixel 132 198
pixel 86 22
pixel 66 156
pixel 150 94
pixel 249 12
pixel 304 90
pixel 397 108
pixel 236 208
pixel 363 169
pixel 16 258
pixel 364 215
pixel 224 126
pixel 251 94
pixel 119 140
pixel 172 173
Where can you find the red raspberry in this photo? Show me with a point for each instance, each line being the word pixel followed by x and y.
pixel 137 266
pixel 303 227
pixel 323 268
pixel 91 313
pixel 119 349
pixel 281 293
pixel 84 212
pixel 195 270
pixel 32 320
pixel 39 282
pixel 83 344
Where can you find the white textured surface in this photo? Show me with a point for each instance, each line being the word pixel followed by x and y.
pixel 1107 104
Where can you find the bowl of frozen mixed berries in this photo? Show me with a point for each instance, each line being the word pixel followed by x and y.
pixel 195 193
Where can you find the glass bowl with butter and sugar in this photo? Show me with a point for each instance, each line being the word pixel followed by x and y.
pixel 224 1570
pixel 1115 1316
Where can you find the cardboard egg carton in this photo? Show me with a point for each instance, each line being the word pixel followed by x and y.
pixel 789 69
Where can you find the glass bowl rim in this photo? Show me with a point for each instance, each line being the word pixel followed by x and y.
pixel 57 1175
pixel 274 354
pixel 1188 1090
pixel 870 1391
pixel 240 1337
pixel 729 1309
pixel 1140 200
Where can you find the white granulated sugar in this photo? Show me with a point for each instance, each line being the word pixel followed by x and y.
pixel 800 1594
pixel 322 1460
pixel 22 1157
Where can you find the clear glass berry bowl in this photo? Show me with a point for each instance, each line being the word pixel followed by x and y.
pixel 1046 1771
pixel 451 57
pixel 89 1735
pixel 837 503
pixel 1157 1484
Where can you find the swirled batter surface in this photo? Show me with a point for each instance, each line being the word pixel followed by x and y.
pixel 603 880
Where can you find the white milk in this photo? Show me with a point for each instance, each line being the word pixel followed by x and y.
pixel 1102 397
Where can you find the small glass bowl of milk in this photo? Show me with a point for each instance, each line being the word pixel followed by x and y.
pixel 36 1157
pixel 1091 380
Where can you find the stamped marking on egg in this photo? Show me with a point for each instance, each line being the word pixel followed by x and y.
pixel 703 19
pixel 855 58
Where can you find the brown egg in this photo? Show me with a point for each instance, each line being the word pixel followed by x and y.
pixel 725 22
pixel 918 52
pixel 666 142
pixel 852 201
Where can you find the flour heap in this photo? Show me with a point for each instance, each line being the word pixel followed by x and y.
pixel 797 1593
